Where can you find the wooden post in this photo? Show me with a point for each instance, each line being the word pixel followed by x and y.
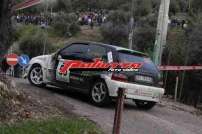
pixel 176 86
pixel 119 111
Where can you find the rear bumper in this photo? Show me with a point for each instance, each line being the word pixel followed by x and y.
pixel 135 91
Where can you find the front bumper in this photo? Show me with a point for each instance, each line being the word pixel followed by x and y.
pixel 135 91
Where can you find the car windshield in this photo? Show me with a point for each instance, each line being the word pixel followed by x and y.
pixel 137 57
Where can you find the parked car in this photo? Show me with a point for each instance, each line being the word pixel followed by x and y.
pixel 143 86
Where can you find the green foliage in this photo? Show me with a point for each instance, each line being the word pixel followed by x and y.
pixel 195 44
pixel 174 54
pixel 74 28
pixel 62 5
pixel 194 52
pixel 52 126
pixel 143 8
pixel 174 7
pixel 65 24
pixel 176 47
pixel 144 38
pixel 5 26
pixel 118 17
pixel 84 5
pixel 115 34
pixel 115 31
pixel 33 40
pixel 196 6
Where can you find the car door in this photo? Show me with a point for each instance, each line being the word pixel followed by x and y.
pixel 94 51
pixel 72 52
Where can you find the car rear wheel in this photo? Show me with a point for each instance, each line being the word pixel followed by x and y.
pixel 35 76
pixel 144 104
pixel 99 94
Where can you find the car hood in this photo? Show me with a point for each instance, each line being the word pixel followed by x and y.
pixel 42 57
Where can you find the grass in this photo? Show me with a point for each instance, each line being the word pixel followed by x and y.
pixel 52 126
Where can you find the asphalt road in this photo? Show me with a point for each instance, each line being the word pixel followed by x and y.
pixel 160 120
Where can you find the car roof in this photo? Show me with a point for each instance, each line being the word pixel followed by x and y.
pixel 117 48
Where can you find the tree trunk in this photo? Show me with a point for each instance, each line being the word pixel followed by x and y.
pixel 5 26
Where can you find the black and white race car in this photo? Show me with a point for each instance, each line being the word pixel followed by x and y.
pixel 142 86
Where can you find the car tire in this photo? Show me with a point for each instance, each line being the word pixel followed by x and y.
pixel 99 94
pixel 35 76
pixel 146 105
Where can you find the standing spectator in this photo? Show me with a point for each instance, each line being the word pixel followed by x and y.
pixel 89 20
pixel 92 24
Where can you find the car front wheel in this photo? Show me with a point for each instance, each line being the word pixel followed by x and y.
pixel 35 76
pixel 144 104
pixel 99 94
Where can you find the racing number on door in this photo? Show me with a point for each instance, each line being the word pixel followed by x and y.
pixel 60 76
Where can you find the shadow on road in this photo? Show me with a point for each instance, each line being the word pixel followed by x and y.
pixel 129 105
pixel 84 98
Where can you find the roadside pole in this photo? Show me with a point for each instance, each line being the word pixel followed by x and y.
pixel 12 71
pixel 119 111
pixel 12 60
pixel 161 32
pixel 176 86
pixel 131 34
pixel 23 61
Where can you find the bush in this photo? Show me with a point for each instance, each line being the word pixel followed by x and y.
pixel 74 28
pixel 115 31
pixel 119 17
pixel 144 38
pixel 33 43
pixel 114 34
pixel 61 28
pixel 65 24
pixel 143 8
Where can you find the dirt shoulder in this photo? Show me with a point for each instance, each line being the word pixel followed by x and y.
pixel 20 102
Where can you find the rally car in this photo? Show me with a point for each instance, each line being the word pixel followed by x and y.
pixel 143 86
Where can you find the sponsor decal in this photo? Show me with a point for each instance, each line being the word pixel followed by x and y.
pixel 98 65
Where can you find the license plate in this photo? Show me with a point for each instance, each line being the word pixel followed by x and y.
pixel 142 93
pixel 143 78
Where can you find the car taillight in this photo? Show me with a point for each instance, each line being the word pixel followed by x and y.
pixel 119 77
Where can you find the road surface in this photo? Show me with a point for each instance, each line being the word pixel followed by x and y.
pixel 161 119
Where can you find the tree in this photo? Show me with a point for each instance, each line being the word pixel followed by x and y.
pixel 5 25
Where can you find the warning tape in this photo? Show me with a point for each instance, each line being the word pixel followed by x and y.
pixel 179 68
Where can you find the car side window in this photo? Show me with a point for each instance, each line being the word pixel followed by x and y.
pixel 74 51
pixel 96 51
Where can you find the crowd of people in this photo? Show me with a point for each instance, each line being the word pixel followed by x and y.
pixel 178 23
pixel 84 18
pixel 91 18
pixel 33 19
